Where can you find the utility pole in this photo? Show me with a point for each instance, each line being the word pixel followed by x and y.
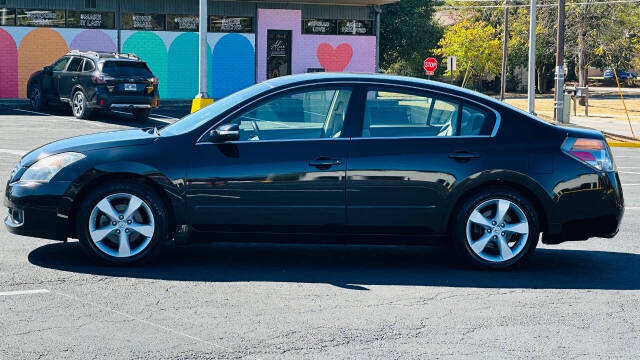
pixel 503 78
pixel 559 98
pixel 531 95
pixel 202 99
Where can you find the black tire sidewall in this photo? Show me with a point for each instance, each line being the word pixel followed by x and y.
pixel 36 105
pixel 143 192
pixel 460 237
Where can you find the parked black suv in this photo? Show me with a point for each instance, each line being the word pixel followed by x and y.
pixel 91 80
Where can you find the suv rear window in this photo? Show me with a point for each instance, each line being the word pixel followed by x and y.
pixel 126 68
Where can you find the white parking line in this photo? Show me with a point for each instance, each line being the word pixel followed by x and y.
pixel 151 116
pixel 60 117
pixel 165 116
pixel 628 167
pixel 13 152
pixel 24 292
pixel 629 172
pixel 632 208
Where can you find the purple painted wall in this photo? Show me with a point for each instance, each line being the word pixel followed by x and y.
pixel 331 52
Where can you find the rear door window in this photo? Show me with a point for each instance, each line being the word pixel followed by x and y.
pixel 126 68
pixel 61 64
pixel 75 64
pixel 88 65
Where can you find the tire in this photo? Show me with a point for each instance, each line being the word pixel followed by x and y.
pixel 35 97
pixel 480 232
pixel 141 115
pixel 144 229
pixel 79 106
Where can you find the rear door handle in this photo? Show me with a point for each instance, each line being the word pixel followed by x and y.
pixel 463 156
pixel 324 162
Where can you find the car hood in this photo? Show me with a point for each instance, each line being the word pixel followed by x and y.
pixel 90 142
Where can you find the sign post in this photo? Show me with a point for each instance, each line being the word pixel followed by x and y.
pixel 430 65
pixel 452 65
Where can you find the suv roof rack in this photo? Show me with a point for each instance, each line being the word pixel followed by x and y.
pixel 104 54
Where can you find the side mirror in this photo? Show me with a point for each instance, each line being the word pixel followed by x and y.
pixel 224 133
pixel 47 70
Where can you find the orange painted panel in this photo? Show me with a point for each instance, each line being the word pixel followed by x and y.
pixel 38 48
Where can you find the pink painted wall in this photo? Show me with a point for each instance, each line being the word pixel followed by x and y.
pixel 331 52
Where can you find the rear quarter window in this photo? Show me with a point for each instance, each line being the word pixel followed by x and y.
pixel 125 68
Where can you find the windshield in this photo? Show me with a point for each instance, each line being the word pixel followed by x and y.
pixel 126 68
pixel 199 118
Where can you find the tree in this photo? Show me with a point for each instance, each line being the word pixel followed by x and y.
pixel 475 44
pixel 408 34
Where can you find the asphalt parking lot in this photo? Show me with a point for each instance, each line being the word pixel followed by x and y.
pixel 574 300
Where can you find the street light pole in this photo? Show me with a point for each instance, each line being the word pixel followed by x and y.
pixel 202 98
pixel 559 98
pixel 503 78
pixel 532 58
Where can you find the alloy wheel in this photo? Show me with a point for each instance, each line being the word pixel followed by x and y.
pixel 497 230
pixel 78 104
pixel 121 225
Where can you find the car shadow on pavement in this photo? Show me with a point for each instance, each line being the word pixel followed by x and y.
pixel 356 266
pixel 121 118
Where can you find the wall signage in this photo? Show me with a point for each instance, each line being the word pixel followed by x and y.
pixel 355 27
pixel 183 22
pixel 40 17
pixel 92 20
pixel 230 24
pixel 135 21
pixel 319 26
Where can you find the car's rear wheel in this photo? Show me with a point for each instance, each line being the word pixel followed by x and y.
pixel 141 114
pixel 35 97
pixel 121 223
pixel 79 106
pixel 497 228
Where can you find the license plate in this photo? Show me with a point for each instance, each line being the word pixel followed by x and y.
pixel 130 87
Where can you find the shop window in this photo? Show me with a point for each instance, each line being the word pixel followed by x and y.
pixel 91 20
pixel 231 24
pixel 48 18
pixel 137 21
pixel 7 17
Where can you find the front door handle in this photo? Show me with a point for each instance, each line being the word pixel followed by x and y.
pixel 324 162
pixel 463 156
pixel 74 78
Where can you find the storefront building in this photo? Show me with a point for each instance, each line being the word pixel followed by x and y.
pixel 249 41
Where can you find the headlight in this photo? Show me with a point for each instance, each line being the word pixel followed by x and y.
pixel 45 169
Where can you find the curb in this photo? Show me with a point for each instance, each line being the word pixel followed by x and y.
pixel 634 144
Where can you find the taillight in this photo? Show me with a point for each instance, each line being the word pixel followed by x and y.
pixel 593 152
pixel 99 79
pixel 154 80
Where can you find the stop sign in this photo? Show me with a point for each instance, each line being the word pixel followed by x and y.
pixel 430 65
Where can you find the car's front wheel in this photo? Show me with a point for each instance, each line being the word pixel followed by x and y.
pixel 35 97
pixel 121 223
pixel 79 106
pixel 496 228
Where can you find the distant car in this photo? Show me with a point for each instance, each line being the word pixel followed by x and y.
pixel 343 156
pixel 96 81
pixel 622 75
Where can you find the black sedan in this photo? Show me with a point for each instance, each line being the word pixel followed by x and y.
pixel 326 157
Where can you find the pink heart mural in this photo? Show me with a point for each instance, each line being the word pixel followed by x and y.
pixel 334 59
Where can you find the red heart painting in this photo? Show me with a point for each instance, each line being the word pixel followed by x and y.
pixel 334 59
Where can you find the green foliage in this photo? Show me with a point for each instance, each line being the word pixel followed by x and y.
pixel 408 34
pixel 475 44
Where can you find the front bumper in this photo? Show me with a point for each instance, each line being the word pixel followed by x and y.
pixel 34 209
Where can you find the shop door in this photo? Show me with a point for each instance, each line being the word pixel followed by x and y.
pixel 278 53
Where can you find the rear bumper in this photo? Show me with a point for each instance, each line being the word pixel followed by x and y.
pixel 588 213
pixel 33 210
pixel 106 100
